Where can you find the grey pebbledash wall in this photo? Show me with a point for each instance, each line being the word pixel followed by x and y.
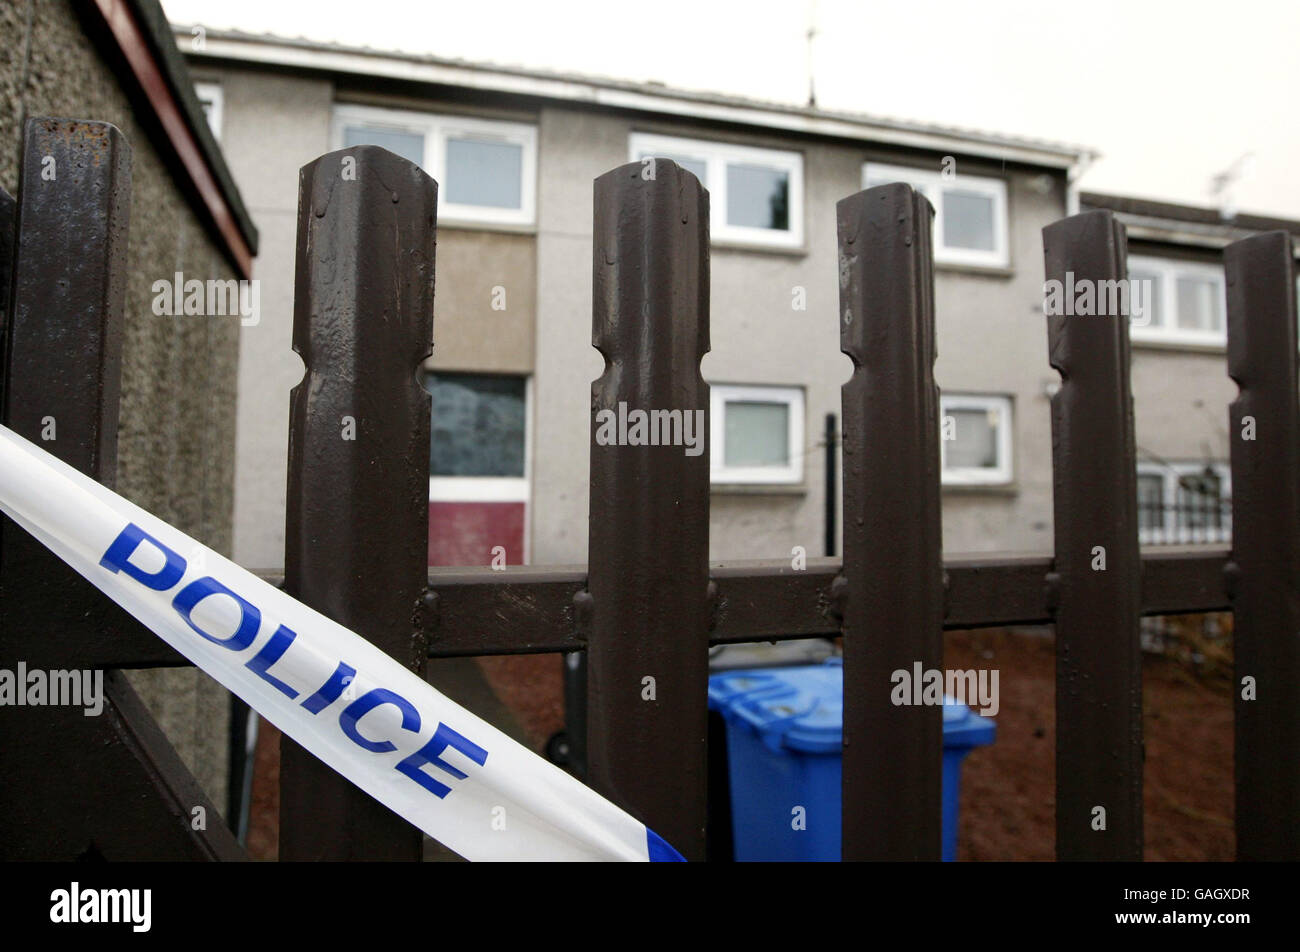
pixel 177 430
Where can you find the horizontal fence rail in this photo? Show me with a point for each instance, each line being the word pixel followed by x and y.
pixel 535 609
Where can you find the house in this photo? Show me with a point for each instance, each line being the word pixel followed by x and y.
pixel 1180 382
pixel 515 152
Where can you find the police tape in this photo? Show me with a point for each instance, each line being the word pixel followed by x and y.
pixel 448 772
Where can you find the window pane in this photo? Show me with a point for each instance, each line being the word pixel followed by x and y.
pixel 757 434
pixel 975 440
pixel 1198 304
pixel 484 173
pixel 758 197
pixel 478 425
pixel 409 145
pixel 1144 305
pixel 696 167
pixel 967 220
pixel 1151 502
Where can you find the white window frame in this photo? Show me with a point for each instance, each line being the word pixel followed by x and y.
pixel 1004 471
pixel 716 156
pixel 722 394
pixel 437 129
pixel 212 93
pixel 1168 271
pixel 1170 533
pixel 931 185
pixel 454 489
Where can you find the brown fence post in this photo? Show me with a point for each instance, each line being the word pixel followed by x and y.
pixel 356 537
pixel 1264 572
pixel 106 786
pixel 893 569
pixel 1096 583
pixel 649 534
pixel 63 355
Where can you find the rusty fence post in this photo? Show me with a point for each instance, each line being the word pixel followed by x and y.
pixel 106 786
pixel 649 532
pixel 893 568
pixel 1096 582
pixel 356 535
pixel 1264 571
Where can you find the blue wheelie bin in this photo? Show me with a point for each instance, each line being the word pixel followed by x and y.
pixel 784 728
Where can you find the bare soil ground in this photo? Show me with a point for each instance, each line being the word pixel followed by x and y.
pixel 1007 789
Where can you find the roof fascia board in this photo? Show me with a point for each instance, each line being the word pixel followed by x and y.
pixel 125 26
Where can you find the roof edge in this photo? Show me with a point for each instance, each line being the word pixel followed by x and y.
pixel 1194 214
pixel 144 39
pixel 233 45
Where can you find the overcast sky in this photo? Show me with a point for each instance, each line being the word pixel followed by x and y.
pixel 1172 92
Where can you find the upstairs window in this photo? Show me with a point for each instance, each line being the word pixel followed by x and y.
pixel 970 212
pixel 755 195
pixel 1182 302
pixel 486 170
